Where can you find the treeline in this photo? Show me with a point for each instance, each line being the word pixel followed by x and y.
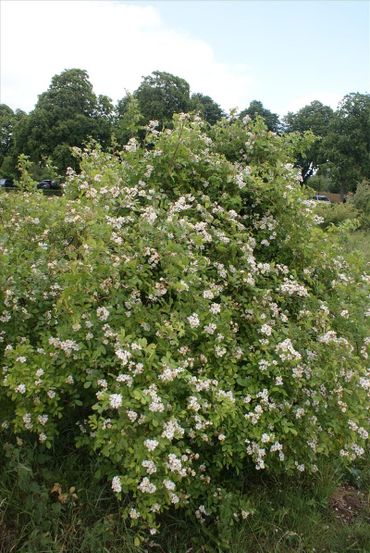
pixel 69 114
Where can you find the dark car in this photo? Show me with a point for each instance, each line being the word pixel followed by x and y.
pixel 321 198
pixel 7 183
pixel 48 184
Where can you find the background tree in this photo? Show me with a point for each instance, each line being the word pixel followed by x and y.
pixel 104 115
pixel 9 120
pixel 6 130
pixel 160 95
pixel 208 109
pixel 67 114
pixel 315 117
pixel 256 108
pixel 347 143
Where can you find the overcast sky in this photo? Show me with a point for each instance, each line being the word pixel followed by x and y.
pixel 284 53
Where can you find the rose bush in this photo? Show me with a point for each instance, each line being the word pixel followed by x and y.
pixel 182 314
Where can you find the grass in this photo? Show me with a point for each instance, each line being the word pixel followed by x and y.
pixel 292 516
pixel 358 242
pixel 33 520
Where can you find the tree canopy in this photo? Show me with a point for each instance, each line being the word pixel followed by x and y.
pixel 69 113
pixel 66 115
pixel 208 108
pixel 347 142
pixel 315 117
pixel 9 121
pixel 161 94
pixel 256 108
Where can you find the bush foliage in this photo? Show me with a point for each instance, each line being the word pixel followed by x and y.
pixel 361 201
pixel 182 315
pixel 337 214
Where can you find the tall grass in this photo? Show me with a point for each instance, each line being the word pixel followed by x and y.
pixel 292 516
pixel 358 243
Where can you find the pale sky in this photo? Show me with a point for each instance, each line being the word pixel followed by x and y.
pixel 283 53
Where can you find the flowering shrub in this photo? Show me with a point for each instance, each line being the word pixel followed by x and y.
pixel 182 315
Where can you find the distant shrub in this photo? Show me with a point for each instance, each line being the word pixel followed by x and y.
pixel 361 201
pixel 336 214
pixel 183 316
